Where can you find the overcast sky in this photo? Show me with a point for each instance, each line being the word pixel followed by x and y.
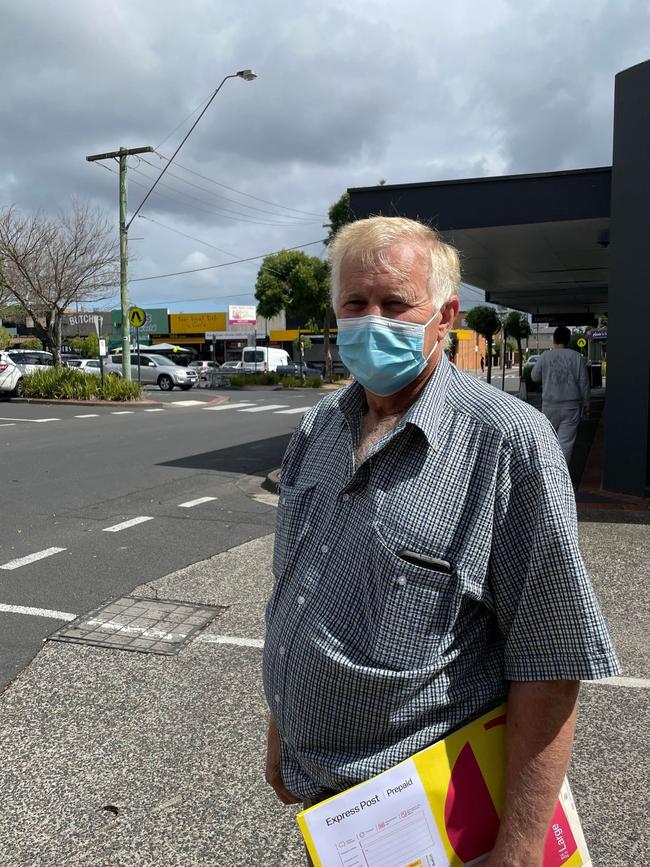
pixel 349 91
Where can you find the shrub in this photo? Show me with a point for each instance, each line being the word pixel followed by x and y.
pixel 263 378
pixel 66 382
pixel 296 382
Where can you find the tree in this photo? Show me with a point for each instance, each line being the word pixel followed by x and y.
pixel 293 281
pixel 5 338
pixel 339 215
pixel 31 343
pixel 48 264
pixel 87 347
pixel 518 326
pixel 485 321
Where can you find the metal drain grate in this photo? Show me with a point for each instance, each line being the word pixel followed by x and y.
pixel 139 624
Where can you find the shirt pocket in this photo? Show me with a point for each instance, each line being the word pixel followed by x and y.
pixel 411 609
pixel 295 506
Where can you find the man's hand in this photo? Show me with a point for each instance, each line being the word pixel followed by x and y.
pixel 273 771
pixel 586 412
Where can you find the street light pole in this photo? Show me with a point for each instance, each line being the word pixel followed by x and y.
pixel 122 154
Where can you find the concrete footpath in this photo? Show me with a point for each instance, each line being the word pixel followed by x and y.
pixel 116 758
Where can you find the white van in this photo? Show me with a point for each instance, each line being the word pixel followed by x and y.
pixel 263 358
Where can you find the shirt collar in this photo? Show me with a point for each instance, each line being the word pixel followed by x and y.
pixel 424 414
pixel 427 409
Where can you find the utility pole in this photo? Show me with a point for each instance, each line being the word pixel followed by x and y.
pixel 121 155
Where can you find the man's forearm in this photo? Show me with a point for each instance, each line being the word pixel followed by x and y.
pixel 540 726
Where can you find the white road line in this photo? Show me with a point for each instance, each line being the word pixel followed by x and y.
pixel 126 524
pixel 266 408
pixel 292 411
pixel 187 402
pixel 626 682
pixel 228 406
pixel 37 612
pixel 30 420
pixel 123 412
pixel 154 410
pixel 230 639
pixel 9 424
pixel 89 415
pixel 191 503
pixel 31 558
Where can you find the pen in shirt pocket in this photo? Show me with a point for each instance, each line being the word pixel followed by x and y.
pixel 426 562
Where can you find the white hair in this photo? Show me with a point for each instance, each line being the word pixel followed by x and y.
pixel 370 240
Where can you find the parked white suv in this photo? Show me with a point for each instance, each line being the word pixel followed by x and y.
pixel 28 361
pixel 10 375
pixel 154 369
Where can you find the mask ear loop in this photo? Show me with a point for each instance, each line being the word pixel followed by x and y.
pixel 438 340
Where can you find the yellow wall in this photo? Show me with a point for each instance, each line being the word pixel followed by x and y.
pixel 282 336
pixel 196 323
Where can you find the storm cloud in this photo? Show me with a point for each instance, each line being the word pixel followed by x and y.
pixel 348 93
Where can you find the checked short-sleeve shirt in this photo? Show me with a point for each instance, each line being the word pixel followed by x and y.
pixel 374 652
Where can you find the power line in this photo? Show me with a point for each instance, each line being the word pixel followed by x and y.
pixel 240 192
pixel 224 264
pixel 297 220
pixel 190 237
pixel 185 120
pixel 222 212
pixel 208 210
pixel 212 297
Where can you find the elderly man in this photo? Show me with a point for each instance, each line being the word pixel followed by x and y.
pixel 426 555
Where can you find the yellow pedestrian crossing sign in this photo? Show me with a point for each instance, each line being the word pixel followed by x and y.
pixel 582 342
pixel 137 317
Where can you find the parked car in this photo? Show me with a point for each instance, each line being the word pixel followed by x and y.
pixel 231 365
pixel 263 358
pixel 532 360
pixel 293 369
pixel 30 360
pixel 154 369
pixel 204 367
pixel 88 365
pixel 10 376
pixel 67 359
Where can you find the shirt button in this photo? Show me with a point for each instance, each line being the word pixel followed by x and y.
pixel 345 497
pixel 301 600
pixel 277 696
pixel 324 549
pixel 401 580
pixel 281 651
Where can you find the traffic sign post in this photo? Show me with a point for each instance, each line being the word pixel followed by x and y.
pixel 137 318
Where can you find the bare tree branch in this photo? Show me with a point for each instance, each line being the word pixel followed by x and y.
pixel 47 264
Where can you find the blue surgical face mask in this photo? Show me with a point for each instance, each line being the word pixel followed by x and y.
pixel 384 355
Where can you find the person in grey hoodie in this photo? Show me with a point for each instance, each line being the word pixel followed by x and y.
pixel 565 388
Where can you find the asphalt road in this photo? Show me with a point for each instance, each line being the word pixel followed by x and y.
pixel 69 473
